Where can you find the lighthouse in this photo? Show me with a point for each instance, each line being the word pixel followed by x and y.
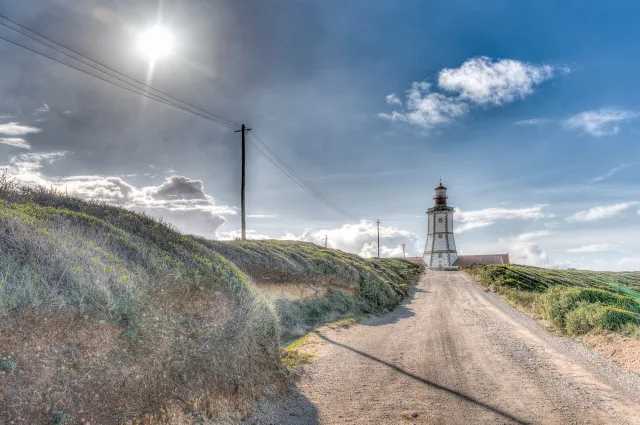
pixel 440 250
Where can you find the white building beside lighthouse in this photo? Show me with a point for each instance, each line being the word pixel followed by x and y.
pixel 440 250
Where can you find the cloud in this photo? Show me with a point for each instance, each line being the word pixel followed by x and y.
pixel 393 99
pixel 6 117
pixel 237 234
pixel 16 142
pixel 42 110
pixel 478 81
pixel 603 122
pixel 486 217
pixel 179 200
pixel 427 110
pixel 265 216
pixel 26 167
pixel 629 263
pixel 524 249
pixel 482 80
pixel 597 213
pixel 597 247
pixel 473 225
pixel 16 129
pixel 532 121
pixel 361 238
pixel 611 172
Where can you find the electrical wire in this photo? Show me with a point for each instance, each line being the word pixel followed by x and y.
pixel 261 146
pixel 145 94
pixel 295 177
pixel 218 118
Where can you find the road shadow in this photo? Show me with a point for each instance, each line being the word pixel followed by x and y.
pixel 434 385
pixel 293 409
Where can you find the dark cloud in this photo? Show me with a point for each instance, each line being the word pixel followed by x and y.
pixel 180 187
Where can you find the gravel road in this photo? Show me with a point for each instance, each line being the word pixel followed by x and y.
pixel 454 354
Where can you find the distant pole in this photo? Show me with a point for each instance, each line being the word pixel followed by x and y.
pixel 402 250
pixel 378 223
pixel 243 130
pixel 325 240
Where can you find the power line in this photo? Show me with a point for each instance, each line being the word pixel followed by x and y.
pixel 285 172
pixel 222 120
pixel 145 94
pixel 299 180
pixel 270 154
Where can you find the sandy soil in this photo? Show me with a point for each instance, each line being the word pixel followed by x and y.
pixel 454 354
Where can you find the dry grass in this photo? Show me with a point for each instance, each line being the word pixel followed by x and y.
pixel 108 316
pixel 356 287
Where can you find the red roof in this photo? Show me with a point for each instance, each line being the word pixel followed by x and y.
pixel 441 187
pixel 467 260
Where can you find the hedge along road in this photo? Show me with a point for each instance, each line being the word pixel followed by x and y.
pixel 454 354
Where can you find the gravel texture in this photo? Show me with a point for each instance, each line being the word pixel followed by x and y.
pixel 454 354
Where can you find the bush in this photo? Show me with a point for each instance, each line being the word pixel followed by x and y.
pixel 557 302
pixel 583 319
pixel 614 319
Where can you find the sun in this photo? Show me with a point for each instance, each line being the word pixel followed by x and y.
pixel 155 42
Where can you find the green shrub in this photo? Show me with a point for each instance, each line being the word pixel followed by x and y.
pixel 614 319
pixel 583 319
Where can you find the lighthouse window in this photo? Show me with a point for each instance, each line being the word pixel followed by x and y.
pixel 440 220
pixel 440 255
pixel 439 235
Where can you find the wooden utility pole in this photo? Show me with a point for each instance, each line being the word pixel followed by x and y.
pixel 378 223
pixel 326 238
pixel 402 250
pixel 243 130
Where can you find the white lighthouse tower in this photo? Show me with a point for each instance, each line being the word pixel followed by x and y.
pixel 440 250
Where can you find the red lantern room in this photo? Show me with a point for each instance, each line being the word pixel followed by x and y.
pixel 441 195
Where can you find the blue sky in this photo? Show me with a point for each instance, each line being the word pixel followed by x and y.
pixel 529 111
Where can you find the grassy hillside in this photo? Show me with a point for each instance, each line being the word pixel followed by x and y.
pixel 108 316
pixel 574 301
pixel 116 314
pixel 378 285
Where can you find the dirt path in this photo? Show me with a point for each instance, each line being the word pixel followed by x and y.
pixel 456 355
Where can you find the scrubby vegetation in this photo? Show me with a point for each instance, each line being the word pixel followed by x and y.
pixel 85 287
pixel 357 286
pixel 573 301
pixel 114 313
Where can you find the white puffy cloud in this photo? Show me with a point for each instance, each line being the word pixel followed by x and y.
pixel 361 238
pixel 482 80
pixel 26 167
pixel 481 218
pixel 597 213
pixel 17 129
pixel 603 122
pixel 179 200
pixel 611 172
pixel 426 109
pixel 478 81
pixel 524 249
pixel 16 142
pixel 596 247
pixel 393 99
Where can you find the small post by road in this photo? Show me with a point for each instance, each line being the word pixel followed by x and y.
pixel 243 130
pixel 378 223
